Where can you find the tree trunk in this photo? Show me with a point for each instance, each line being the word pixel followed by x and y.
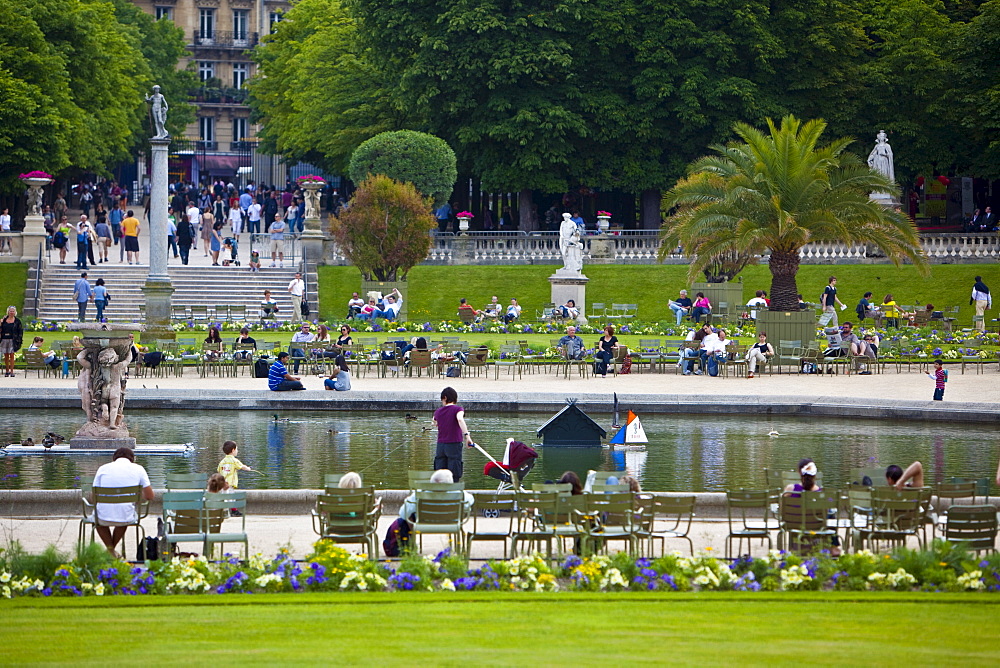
pixel 526 211
pixel 649 210
pixel 784 291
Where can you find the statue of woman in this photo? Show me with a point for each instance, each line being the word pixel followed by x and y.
pixel 312 202
pixel 570 244
pixel 880 159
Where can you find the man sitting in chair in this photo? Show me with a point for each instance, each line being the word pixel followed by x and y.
pixel 113 519
pixel 572 345
pixel 913 476
pixel 268 307
pixel 513 312
pixel 466 313
pixel 393 302
pixel 492 310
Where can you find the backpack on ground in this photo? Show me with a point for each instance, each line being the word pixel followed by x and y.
pixel 261 368
pixel 626 365
pixel 397 538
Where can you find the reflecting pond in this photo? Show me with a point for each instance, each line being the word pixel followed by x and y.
pixel 685 453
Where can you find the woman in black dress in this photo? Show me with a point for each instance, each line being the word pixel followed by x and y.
pixel 11 335
pixel 607 349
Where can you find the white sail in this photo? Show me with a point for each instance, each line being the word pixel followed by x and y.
pixel 634 433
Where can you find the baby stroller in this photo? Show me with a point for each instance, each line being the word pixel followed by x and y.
pixel 233 245
pixel 518 458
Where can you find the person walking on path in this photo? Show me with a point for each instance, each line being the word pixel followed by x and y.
pixel 82 293
pixel 11 338
pixel 103 231
pixel 297 288
pixel 116 217
pixel 983 300
pixel 277 232
pixel 100 299
pixel 453 433
pixel 207 219
pixel 82 243
pixel 130 228
pixel 185 238
pixel 829 303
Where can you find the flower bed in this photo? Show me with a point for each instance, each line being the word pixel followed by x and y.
pixel 332 568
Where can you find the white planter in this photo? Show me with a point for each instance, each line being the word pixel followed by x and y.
pixel 603 223
pixel 463 224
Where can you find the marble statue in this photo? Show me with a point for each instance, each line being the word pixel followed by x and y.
pixel 35 196
pixel 880 159
pixel 570 245
pixel 159 112
pixel 312 202
pixel 102 387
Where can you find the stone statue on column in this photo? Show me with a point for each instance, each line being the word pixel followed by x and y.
pixel 159 112
pixel 880 159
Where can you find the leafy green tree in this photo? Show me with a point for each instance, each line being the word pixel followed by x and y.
pixel 385 231
pixel 424 160
pixel 780 191
pixel 317 92
pixel 80 80
pixel 979 88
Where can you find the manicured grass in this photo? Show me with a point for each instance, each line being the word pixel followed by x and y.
pixel 13 278
pixel 435 291
pixel 516 629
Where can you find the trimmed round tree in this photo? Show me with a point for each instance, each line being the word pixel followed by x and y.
pixel 386 229
pixel 424 160
pixel 779 191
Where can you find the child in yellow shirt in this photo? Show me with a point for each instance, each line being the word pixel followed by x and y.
pixel 230 467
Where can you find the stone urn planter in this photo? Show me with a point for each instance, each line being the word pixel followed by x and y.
pixel 603 223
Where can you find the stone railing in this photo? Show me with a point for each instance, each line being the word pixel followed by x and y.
pixel 642 247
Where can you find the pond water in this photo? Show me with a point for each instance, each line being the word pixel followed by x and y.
pixel 685 453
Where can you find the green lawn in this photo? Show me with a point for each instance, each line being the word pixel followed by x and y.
pixel 13 278
pixel 517 629
pixel 435 291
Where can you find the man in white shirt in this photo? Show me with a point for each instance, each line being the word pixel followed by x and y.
pixel 296 288
pixel 354 305
pixel 492 309
pixel 194 217
pixel 756 303
pixel 513 311
pixel 714 347
pixel 304 335
pixel 236 221
pixel 253 218
pixel 121 472
pixel 393 303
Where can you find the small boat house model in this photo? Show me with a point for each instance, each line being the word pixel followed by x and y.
pixel 571 427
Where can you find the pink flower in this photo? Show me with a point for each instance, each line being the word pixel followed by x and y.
pixel 35 175
pixel 464 214
pixel 604 213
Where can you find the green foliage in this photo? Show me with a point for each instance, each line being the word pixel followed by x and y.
pixel 317 93
pixel 979 88
pixel 424 160
pixel 75 81
pixel 780 191
pixel 386 229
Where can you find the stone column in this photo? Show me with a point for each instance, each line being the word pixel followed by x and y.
pixel 312 237
pixel 568 285
pixel 158 289
pixel 34 224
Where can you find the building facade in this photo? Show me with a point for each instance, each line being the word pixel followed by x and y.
pixel 220 34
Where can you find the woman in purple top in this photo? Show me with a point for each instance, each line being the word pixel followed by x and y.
pixel 807 472
pixel 452 433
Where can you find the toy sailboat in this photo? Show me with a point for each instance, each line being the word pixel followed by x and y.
pixel 631 432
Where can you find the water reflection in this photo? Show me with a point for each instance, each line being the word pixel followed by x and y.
pixel 691 453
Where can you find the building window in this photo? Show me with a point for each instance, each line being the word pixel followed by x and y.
pixel 239 129
pixel 275 19
pixel 240 73
pixel 206 128
pixel 165 13
pixel 206 25
pixel 206 70
pixel 241 19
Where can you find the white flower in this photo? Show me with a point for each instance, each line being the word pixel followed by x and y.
pixel 4 577
pixel 6 591
pixel 99 589
pixel 86 586
pixel 39 584
pixel 972 581
pixel 447 585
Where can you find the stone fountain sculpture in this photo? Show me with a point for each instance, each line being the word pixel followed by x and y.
pixel 105 358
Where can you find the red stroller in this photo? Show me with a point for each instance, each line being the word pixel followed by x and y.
pixel 518 458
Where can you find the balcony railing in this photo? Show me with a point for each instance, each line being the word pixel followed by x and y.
pixel 204 145
pixel 219 95
pixel 224 39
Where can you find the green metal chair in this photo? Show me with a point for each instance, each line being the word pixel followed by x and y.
pixel 492 520
pixel 606 517
pixel 186 481
pixel 972 527
pixel 222 501
pixel 441 513
pixel 348 516
pixel 664 517
pixel 804 521
pixel 185 519
pixel 747 511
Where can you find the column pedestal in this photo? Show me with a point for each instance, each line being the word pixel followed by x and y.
pixel 158 289
pixel 312 238
pixel 568 285
pixel 32 235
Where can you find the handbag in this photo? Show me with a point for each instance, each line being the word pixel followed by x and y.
pixel 305 306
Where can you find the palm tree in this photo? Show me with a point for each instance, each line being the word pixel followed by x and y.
pixel 779 191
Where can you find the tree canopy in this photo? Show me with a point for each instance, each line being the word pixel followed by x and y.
pixel 548 94
pixel 72 78
pixel 424 160
pixel 778 191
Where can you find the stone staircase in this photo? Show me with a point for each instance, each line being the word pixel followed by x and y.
pixel 193 286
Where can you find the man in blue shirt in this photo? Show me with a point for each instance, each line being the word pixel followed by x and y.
pixel 443 215
pixel 115 217
pixel 573 344
pixel 278 378
pixel 82 293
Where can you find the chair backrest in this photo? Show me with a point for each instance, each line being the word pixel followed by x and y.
pixel 604 488
pixel 183 512
pixel 618 505
pixel 417 477
pixel 440 508
pixel 117 495
pixel 807 511
pixel 536 508
pixel 746 505
pixel 176 481
pixel 490 508
pixel 466 315
pixel 956 490
pixel 33 359
pixel 230 500
pixel 899 509
pixel 420 358
pixel 562 488
pixel 347 512
pixel 974 526
pixel 440 487
pixel 597 309
pixel 875 474
pixel 477 356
